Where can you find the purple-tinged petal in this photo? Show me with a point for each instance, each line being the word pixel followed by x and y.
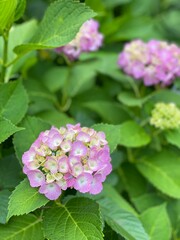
pixel 83 137
pixel 78 149
pixel 83 182
pixel 52 191
pixel 77 169
pixel 36 178
pixel 96 185
pixel 73 160
pixel 76 128
pixel 62 183
pixel 51 164
pixel 63 165
pixel 69 179
pixel 66 146
pixel 55 141
pixel 29 156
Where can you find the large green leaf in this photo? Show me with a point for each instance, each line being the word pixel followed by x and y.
pixel 110 112
pixel 121 221
pixel 130 100
pixel 132 135
pixel 59 26
pixel 162 170
pixel 134 182
pixel 79 218
pixel 7 11
pixel 76 84
pixel 25 31
pixel 114 3
pixel 114 196
pixel 55 118
pixel 21 5
pixel 25 199
pixel 7 129
pixel 13 101
pixel 10 171
pixel 157 223
pixel 22 141
pixel 173 137
pixel 26 227
pixel 173 209
pixel 4 198
pixel 147 200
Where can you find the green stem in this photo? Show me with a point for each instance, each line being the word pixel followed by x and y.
pixel 130 155
pixel 13 61
pixel 66 100
pixel 5 57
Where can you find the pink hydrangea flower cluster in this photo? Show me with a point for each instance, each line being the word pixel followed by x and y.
pixel 155 62
pixel 88 39
pixel 70 157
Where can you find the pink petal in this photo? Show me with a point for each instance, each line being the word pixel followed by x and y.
pixel 52 191
pixel 36 178
pixel 83 182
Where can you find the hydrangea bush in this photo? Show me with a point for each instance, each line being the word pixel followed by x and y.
pixel 89 120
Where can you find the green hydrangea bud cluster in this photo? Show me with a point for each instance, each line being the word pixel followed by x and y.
pixel 165 116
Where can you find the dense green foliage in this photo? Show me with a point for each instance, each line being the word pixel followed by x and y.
pixel 39 88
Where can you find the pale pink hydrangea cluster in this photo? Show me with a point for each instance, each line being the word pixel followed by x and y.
pixel 69 157
pixel 155 62
pixel 88 39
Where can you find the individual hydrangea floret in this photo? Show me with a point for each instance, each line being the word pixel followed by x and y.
pixel 155 62
pixel 69 157
pixel 88 39
pixel 165 116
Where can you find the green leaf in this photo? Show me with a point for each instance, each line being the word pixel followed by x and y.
pixel 21 5
pixel 131 100
pixel 79 218
pixel 114 196
pixel 156 223
pixel 110 112
pixel 76 84
pixel 25 31
pixel 4 198
pixel 51 79
pixel 56 118
pixel 130 27
pixel 147 200
pixel 121 221
pixel 22 141
pixel 162 171
pixel 132 135
pixel 7 129
pixel 25 199
pixel 7 11
pixel 134 182
pixel 114 3
pixel 173 137
pixel 13 101
pixel 10 171
pixel 112 134
pixel 173 209
pixel 59 26
pixel 22 228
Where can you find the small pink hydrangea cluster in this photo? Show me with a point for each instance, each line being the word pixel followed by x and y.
pixel 87 39
pixel 156 62
pixel 69 157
